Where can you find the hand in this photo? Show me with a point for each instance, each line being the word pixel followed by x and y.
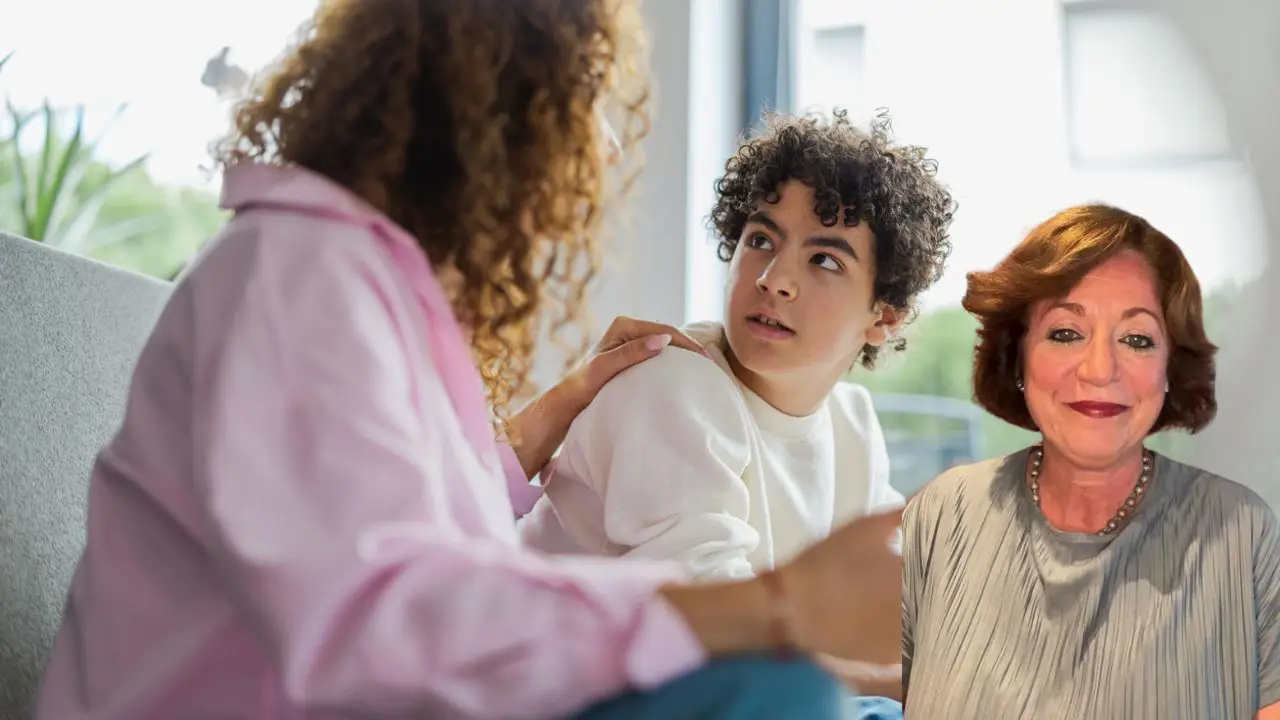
pixel 843 598
pixel 540 428
pixel 865 678
pixel 845 593
pixel 627 342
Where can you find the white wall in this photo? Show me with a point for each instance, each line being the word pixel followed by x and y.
pixel 1239 41
pixel 661 263
pixel 717 91
pixel 981 84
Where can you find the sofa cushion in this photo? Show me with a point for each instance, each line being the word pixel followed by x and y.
pixel 71 330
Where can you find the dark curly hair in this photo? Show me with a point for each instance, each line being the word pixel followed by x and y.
pixel 856 177
pixel 475 126
pixel 1053 258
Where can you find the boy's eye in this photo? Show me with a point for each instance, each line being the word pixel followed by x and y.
pixel 759 241
pixel 826 262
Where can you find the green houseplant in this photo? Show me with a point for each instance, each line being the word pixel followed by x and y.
pixel 54 194
pixel 55 189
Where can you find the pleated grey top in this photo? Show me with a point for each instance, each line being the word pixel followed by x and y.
pixel 1005 617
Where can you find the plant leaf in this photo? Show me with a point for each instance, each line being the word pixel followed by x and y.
pixel 58 189
pixel 99 238
pixel 46 152
pixel 79 225
pixel 20 179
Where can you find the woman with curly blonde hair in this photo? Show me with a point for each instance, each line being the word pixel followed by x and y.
pixel 305 512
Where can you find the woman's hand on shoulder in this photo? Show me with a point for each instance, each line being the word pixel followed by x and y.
pixel 627 342
pixel 540 428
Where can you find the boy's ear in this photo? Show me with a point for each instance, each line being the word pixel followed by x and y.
pixel 887 321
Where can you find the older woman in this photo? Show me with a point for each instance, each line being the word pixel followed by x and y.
pixel 1086 576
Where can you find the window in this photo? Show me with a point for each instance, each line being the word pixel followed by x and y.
pixel 148 111
pixel 837 75
pixel 1029 107
pixel 1134 92
pixel 830 67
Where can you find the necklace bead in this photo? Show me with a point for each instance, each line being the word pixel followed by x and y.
pixel 1036 459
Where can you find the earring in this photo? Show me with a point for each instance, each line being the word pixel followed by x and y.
pixel 1018 384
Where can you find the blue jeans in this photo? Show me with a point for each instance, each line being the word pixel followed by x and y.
pixel 873 708
pixel 747 688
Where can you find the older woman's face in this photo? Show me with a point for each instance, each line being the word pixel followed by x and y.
pixel 1095 362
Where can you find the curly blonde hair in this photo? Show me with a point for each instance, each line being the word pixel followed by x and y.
pixel 476 126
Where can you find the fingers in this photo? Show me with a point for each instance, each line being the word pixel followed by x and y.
pixel 625 329
pixel 684 342
pixel 611 362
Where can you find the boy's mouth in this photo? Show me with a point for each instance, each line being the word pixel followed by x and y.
pixel 770 323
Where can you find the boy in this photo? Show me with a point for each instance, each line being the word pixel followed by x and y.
pixel 734 465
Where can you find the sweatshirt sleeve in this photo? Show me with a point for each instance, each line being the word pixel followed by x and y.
pixel 663 447
pixel 864 454
pixel 883 495
pixel 331 500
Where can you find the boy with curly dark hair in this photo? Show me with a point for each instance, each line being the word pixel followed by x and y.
pixel 734 466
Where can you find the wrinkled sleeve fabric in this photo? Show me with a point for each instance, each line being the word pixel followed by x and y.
pixel 883 495
pixel 330 521
pixel 918 525
pixel 870 454
pixel 523 494
pixel 664 446
pixel 1267 593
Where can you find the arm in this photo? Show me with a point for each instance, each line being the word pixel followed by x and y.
pixel 866 678
pixel 865 457
pixel 1267 584
pixel 864 452
pixel 664 447
pixel 542 425
pixel 326 497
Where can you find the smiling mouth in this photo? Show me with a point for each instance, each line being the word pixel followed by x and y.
pixel 1098 409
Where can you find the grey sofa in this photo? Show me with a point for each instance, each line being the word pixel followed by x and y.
pixel 70 332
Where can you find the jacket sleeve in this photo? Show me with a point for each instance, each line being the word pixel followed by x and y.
pixel 331 508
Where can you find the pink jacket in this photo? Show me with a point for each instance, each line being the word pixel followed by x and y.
pixel 305 515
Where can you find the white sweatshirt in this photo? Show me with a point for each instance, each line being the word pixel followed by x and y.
pixel 676 459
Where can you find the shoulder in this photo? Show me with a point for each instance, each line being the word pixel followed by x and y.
pixel 1214 498
pixel 283 240
pixel 291 225
pixel 281 283
pixel 290 258
pixel 974 477
pixel 859 437
pixel 851 403
pixel 676 381
pixel 963 489
pixel 678 405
